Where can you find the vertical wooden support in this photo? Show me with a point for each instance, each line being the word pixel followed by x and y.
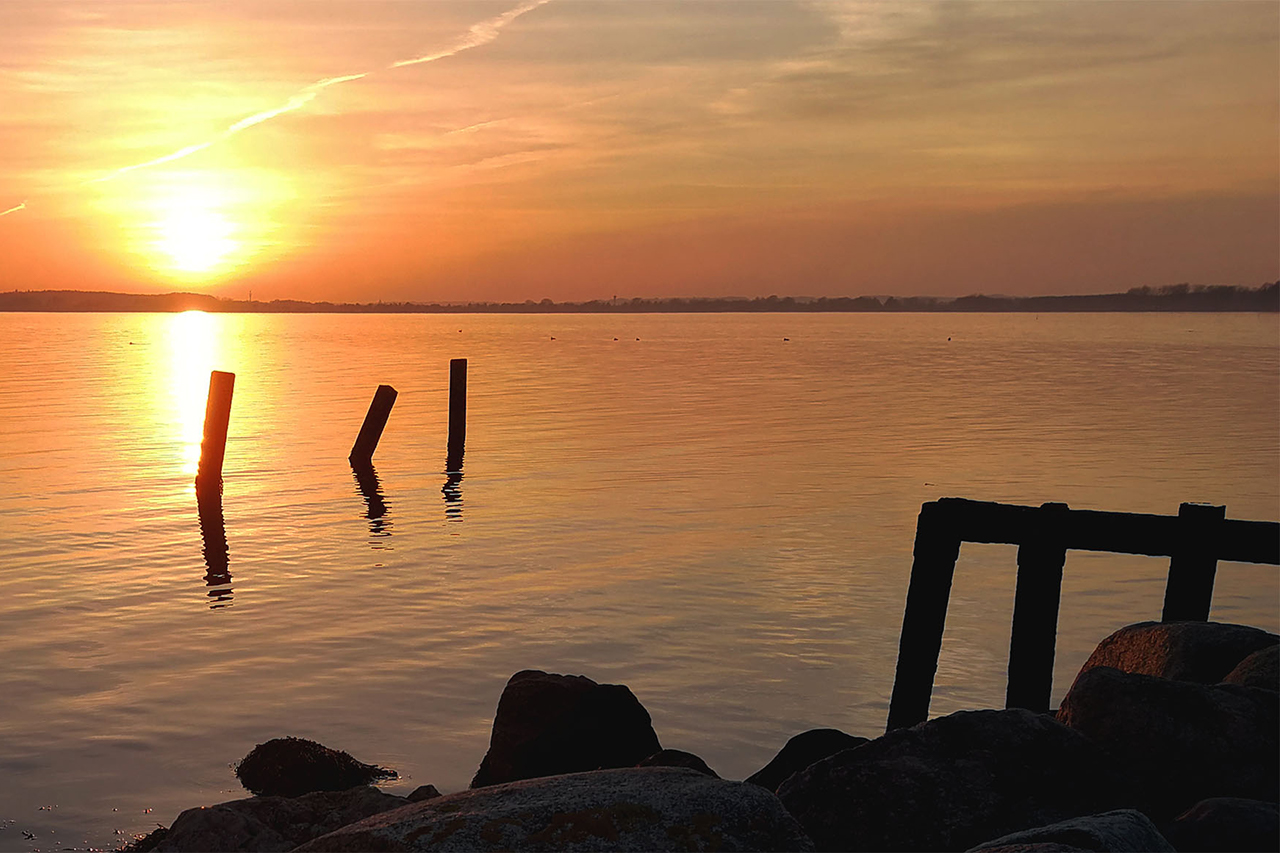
pixel 1189 590
pixel 936 548
pixel 457 413
pixel 217 415
pixel 375 420
pixel 1032 643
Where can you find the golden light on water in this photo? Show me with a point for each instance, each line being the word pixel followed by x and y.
pixel 193 346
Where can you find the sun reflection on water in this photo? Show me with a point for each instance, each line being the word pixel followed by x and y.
pixel 193 347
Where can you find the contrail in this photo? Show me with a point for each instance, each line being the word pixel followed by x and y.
pixel 477 36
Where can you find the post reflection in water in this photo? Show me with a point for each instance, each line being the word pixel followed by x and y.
pixel 213 530
pixel 451 489
pixel 370 489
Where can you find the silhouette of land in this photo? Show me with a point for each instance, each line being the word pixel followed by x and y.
pixel 1178 297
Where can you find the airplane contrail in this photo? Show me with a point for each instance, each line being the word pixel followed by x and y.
pixel 477 36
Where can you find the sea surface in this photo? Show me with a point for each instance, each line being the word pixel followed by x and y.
pixel 715 510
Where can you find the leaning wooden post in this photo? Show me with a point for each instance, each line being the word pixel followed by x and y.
pixel 1041 557
pixel 217 414
pixel 375 420
pixel 937 546
pixel 1188 593
pixel 457 413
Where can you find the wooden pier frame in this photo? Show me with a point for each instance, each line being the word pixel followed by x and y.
pixel 1195 540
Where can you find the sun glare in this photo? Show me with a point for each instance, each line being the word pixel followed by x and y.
pixel 195 240
pixel 193 235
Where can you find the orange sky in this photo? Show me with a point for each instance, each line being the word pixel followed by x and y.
pixel 578 150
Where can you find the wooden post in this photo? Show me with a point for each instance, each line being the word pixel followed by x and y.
pixel 1189 590
pixel 936 548
pixel 217 414
pixel 375 420
pixel 457 413
pixel 1041 557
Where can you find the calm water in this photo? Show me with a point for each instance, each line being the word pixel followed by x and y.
pixel 715 516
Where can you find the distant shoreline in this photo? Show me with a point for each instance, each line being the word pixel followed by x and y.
pixel 1175 298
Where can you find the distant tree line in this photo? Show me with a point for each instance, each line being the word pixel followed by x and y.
pixel 1178 297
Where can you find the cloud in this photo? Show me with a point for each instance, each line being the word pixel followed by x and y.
pixel 478 35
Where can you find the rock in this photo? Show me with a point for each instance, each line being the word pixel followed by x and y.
pixel 1122 831
pixel 801 751
pixel 1203 652
pixel 423 792
pixel 272 823
pixel 1179 742
pixel 646 808
pixel 1260 669
pixel 550 724
pixel 950 783
pixel 678 758
pixel 1226 824
pixel 290 766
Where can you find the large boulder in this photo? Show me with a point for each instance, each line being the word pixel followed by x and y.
pixel 647 808
pixel 1260 669
pixel 950 783
pixel 1120 831
pixel 1203 652
pixel 291 766
pixel 550 724
pixel 678 758
pixel 272 823
pixel 1227 824
pixel 1179 742
pixel 801 751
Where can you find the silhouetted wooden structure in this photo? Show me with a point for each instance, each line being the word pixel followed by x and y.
pixel 375 420
pixel 457 412
pixel 217 416
pixel 1195 540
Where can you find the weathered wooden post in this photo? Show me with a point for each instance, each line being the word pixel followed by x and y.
pixel 217 414
pixel 936 548
pixel 1041 557
pixel 457 413
pixel 375 420
pixel 1188 593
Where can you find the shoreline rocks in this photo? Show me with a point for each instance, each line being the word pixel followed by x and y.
pixel 645 808
pixel 549 724
pixel 1148 750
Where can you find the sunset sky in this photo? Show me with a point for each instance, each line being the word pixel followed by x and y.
pixel 428 150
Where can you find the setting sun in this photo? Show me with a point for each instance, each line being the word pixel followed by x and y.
pixel 195 239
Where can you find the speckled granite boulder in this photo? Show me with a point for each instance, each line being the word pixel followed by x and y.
pixel 1203 652
pixel 1225 824
pixel 272 823
pixel 1260 669
pixel 1179 742
pixel 648 808
pixel 1121 831
pixel 950 783
pixel 801 751
pixel 678 758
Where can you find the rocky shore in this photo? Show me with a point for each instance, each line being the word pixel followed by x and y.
pixel 1167 740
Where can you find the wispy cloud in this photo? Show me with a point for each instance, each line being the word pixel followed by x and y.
pixel 478 35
